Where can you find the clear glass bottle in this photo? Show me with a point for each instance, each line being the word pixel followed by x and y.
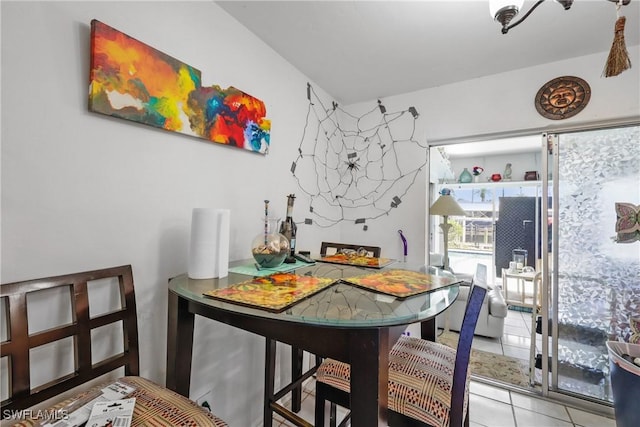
pixel 289 229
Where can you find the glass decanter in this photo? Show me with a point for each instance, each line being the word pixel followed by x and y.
pixel 270 248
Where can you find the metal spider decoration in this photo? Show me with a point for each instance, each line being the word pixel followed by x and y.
pixel 352 165
pixel 358 168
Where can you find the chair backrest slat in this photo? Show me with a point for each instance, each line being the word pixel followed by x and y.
pixel 19 342
pixel 463 352
pixel 371 250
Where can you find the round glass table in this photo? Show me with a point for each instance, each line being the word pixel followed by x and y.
pixel 342 321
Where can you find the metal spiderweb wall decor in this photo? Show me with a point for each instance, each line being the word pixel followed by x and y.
pixel 363 166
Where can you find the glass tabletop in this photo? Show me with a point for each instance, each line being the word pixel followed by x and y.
pixel 341 304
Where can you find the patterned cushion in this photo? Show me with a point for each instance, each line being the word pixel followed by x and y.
pixel 420 379
pixel 155 406
pixel 334 373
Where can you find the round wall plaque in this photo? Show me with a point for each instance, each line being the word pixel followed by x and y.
pixel 562 97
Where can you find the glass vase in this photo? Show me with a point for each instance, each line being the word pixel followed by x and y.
pixel 270 248
pixel 465 176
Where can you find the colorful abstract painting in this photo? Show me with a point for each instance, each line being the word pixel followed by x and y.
pixel 134 81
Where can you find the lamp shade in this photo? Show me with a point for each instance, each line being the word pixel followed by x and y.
pixel 446 205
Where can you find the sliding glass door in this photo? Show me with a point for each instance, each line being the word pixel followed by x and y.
pixel 585 250
pixel 591 259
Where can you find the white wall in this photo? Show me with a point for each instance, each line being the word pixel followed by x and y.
pixel 496 105
pixel 504 103
pixel 82 191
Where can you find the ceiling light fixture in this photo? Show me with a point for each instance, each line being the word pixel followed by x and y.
pixel 504 11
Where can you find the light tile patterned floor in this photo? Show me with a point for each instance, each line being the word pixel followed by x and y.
pixel 497 407
pixel 494 407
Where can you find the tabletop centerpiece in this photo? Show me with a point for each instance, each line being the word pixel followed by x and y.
pixel 269 248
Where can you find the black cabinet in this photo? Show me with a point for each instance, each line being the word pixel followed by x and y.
pixel 515 229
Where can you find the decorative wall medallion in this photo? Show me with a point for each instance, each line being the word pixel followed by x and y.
pixel 562 97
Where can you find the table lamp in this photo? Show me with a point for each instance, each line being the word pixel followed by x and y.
pixel 446 206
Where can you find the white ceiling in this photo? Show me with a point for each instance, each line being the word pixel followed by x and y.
pixel 363 50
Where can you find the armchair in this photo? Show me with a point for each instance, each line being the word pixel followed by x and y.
pixel 492 314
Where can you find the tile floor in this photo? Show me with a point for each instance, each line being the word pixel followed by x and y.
pixel 516 343
pixel 492 406
pixel 516 339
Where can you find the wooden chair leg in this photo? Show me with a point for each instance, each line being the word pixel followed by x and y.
pixel 333 415
pixel 296 372
pixel 269 378
pixel 345 420
pixel 319 412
